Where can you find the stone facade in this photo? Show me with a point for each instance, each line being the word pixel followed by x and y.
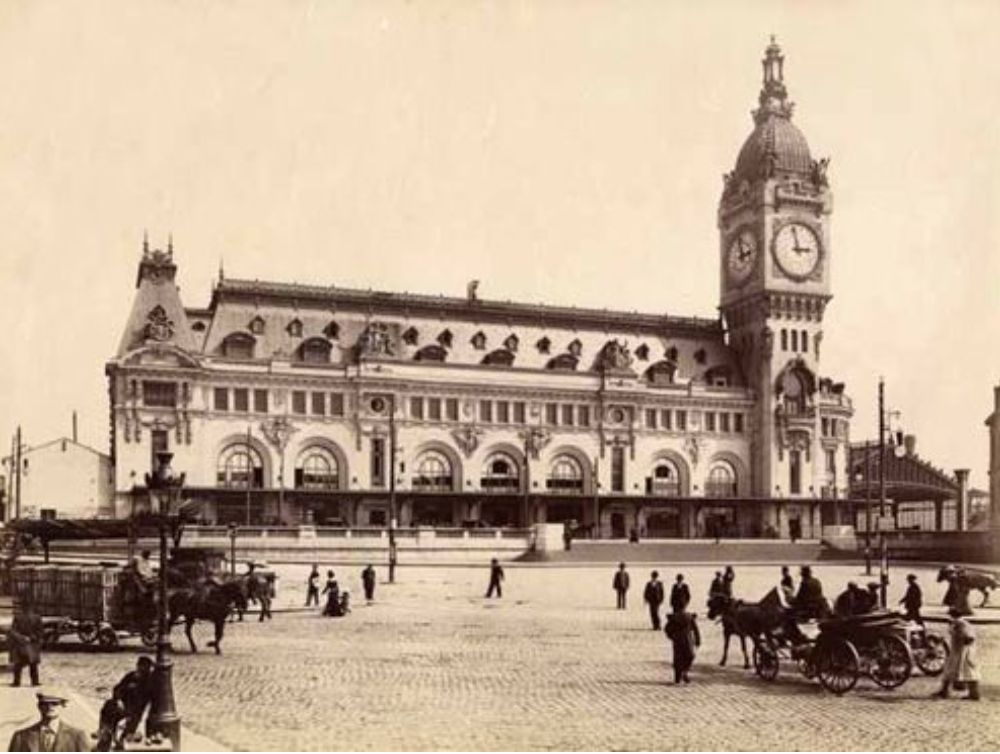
pixel 306 404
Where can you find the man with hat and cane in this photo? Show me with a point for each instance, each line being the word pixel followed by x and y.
pixel 50 733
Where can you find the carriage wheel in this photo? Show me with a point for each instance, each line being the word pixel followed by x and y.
pixel 148 636
pixel 50 635
pixel 837 666
pixel 766 662
pixel 87 632
pixel 107 638
pixel 890 663
pixel 932 655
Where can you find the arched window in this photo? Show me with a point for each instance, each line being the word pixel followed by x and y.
pixel 434 473
pixel 317 470
pixel 240 466
pixel 500 474
pixel 665 479
pixel 565 476
pixel 721 480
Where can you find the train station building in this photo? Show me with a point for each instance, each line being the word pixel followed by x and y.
pixel 317 404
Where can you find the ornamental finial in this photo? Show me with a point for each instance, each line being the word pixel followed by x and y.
pixel 773 95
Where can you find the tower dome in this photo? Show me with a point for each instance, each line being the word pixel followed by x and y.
pixel 775 146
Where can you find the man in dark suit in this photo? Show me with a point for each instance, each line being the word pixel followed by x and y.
pixel 49 733
pixel 620 584
pixel 496 576
pixel 25 641
pixel 653 596
pixel 368 581
pixel 680 595
pixel 913 600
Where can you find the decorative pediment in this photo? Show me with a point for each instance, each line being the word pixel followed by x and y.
pixel 575 348
pixel 411 336
pixel 295 328
pixel 543 345
pixel 256 326
pixel 161 354
pixel 478 341
pixel 445 338
pixel 642 352
pixel 511 343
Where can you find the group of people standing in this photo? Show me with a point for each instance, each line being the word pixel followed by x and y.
pixel 337 601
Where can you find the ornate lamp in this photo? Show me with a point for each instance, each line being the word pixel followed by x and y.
pixel 164 489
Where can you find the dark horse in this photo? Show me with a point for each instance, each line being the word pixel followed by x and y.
pixel 211 602
pixel 757 620
pixel 961 582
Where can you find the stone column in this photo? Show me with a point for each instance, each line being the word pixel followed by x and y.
pixel 962 504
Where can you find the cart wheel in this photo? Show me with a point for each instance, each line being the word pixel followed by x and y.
pixel 766 662
pixel 837 665
pixel 148 636
pixel 50 635
pixel 107 638
pixel 932 655
pixel 891 662
pixel 87 633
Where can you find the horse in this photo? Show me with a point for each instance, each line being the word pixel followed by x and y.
pixel 963 581
pixel 212 602
pixel 754 619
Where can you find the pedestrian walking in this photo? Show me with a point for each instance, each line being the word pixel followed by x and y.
pixel 653 596
pixel 960 667
pixel 312 587
pixel 496 576
pixel 620 584
pixel 682 630
pixel 680 595
pixel 25 641
pixel 50 733
pixel 332 592
pixel 368 581
pixel 913 600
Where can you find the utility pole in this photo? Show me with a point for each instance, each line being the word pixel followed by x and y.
pixel 883 551
pixel 868 509
pixel 17 477
pixel 392 488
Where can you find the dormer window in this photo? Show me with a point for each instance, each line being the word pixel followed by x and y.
pixel 543 345
pixel 257 326
pixel 479 341
pixel 431 353
pixel 410 336
pixel 332 330
pixel 563 363
pixel 500 358
pixel 295 328
pixel 315 351
pixel 445 338
pixel 238 346
pixel 511 343
pixel 661 373
pixel 642 352
pixel 575 349
pixel 700 356
pixel 671 354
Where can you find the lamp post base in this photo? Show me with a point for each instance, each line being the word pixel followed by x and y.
pixel 163 717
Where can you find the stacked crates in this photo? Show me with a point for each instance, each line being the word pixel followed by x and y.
pixel 97 593
pixel 82 593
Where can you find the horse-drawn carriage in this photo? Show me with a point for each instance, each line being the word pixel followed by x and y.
pixel 837 650
pixel 93 602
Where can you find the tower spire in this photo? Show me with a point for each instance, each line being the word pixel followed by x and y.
pixel 773 98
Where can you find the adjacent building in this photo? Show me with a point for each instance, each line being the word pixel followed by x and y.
pixel 60 479
pixel 321 404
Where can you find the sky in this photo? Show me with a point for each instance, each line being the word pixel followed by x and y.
pixel 567 152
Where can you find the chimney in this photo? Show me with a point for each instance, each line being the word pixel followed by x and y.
pixel 910 443
pixel 74 426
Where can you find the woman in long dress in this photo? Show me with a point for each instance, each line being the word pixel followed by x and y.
pixel 961 667
pixel 332 592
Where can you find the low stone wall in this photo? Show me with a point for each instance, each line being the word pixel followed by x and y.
pixel 940 546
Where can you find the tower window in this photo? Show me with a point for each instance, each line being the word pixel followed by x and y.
pixel 241 399
pixel 298 402
pixel 159 394
pixel 805 341
pixel 451 409
pixel 416 407
pixel 486 411
pixel 583 414
pixel 552 413
pixel 784 339
pixel 260 401
pixel 336 404
pixel 795 340
pixel 221 399
pixel 651 418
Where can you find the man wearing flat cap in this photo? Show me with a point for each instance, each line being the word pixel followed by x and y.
pixel 50 733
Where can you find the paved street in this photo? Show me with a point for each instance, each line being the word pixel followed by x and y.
pixel 552 665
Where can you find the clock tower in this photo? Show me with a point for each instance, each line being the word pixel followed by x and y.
pixel 774 246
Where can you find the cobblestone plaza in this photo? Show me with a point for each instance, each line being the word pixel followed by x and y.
pixel 552 665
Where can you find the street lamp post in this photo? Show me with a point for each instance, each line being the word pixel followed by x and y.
pixel 164 488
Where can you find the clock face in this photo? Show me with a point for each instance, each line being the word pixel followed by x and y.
pixel 741 255
pixel 797 250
